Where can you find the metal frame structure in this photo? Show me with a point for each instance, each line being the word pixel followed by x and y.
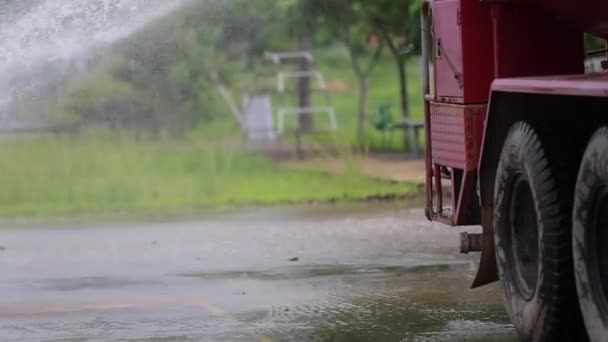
pixel 329 111
pixel 283 76
pixel 281 57
pixel 320 84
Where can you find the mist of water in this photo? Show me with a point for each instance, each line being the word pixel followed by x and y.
pixel 41 37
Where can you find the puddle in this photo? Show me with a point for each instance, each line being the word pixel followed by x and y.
pixel 316 271
pixel 384 275
pixel 85 283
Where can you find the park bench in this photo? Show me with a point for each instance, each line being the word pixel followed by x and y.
pixel 387 126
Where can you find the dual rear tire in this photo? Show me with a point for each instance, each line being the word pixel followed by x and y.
pixel 590 236
pixel 551 235
pixel 532 225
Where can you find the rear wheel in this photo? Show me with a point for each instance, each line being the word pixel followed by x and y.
pixel 532 225
pixel 590 236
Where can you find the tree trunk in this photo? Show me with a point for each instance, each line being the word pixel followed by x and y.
pixel 403 89
pixel 305 123
pixel 363 103
pixel 403 94
pixel 401 62
pixel 305 120
pixel 363 77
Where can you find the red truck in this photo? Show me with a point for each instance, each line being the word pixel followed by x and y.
pixel 518 143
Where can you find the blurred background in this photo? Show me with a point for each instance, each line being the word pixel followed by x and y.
pixel 130 105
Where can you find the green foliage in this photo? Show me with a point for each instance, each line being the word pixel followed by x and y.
pixel 368 26
pixel 345 20
pixel 594 43
pixel 164 77
pixel 399 18
pixel 383 89
pixel 100 99
pixel 160 79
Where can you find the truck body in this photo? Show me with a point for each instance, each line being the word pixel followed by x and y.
pixel 517 143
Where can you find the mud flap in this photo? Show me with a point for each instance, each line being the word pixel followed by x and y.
pixel 487 272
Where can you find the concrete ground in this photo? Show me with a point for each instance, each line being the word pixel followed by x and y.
pixel 328 273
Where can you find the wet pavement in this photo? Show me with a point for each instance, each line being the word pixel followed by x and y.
pixel 360 273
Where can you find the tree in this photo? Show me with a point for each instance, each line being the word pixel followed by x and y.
pixel 398 23
pixel 348 22
pixel 160 79
pixel 250 28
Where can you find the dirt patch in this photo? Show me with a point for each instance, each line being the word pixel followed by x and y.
pixel 390 168
pixel 338 86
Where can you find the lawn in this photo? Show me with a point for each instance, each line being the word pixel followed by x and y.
pixel 57 176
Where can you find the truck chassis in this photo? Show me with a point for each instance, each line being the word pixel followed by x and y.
pixel 517 142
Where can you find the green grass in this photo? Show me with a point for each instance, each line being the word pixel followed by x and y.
pixel 53 176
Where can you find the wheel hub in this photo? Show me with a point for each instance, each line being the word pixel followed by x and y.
pixel 524 238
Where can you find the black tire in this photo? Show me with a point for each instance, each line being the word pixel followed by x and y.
pixel 532 224
pixel 590 234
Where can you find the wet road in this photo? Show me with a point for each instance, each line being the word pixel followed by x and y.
pixel 324 274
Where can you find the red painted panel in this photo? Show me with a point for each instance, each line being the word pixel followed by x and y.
pixel 456 132
pixel 586 15
pixel 448 48
pixel 478 52
pixel 464 65
pixel 531 42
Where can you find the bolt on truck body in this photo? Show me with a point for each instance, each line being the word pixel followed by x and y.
pixel 517 142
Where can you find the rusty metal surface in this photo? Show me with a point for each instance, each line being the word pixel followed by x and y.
pixel 448 136
pixel 467 203
pixel 470 243
pixel 426 51
pixel 444 217
pixel 595 85
pixel 456 133
pixel 428 163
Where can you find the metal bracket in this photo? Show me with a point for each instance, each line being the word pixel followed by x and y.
pixel 470 243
